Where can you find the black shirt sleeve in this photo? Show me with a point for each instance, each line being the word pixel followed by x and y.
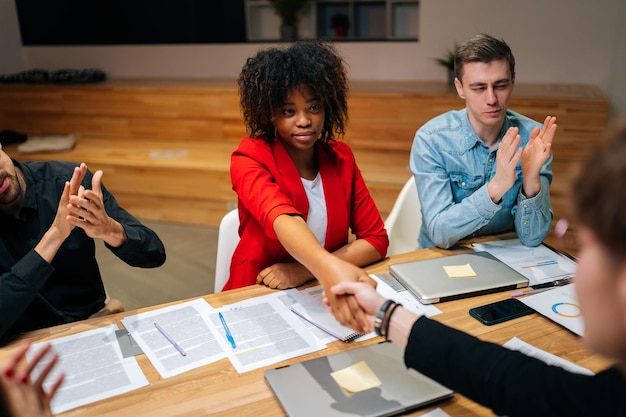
pixel 143 248
pixel 507 381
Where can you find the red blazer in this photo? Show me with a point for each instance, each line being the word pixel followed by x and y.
pixel 268 184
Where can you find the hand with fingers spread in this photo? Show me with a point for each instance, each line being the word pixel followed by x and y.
pixel 508 155
pixel 20 395
pixel 535 154
pixel 86 210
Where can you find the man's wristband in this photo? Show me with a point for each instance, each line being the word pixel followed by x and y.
pixel 388 320
pixel 378 321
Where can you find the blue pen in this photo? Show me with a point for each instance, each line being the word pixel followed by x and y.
pixel 227 330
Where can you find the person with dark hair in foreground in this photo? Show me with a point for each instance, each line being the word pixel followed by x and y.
pixel 300 192
pixel 509 382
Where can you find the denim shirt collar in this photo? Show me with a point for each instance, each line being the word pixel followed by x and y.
pixel 470 138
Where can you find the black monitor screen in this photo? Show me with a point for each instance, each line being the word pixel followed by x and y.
pixel 128 22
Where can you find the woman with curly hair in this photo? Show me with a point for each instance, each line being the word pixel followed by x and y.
pixel 300 192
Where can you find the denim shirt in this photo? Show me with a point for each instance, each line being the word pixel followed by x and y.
pixel 452 167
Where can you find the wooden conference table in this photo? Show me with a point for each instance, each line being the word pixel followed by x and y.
pixel 217 389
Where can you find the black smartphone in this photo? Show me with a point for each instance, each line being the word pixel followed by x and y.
pixel 500 311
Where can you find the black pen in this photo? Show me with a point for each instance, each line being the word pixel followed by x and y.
pixel 555 283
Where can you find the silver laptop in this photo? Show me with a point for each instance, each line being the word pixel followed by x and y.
pixel 430 283
pixel 307 389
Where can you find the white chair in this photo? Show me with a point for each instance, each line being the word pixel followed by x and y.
pixel 227 239
pixel 111 306
pixel 404 221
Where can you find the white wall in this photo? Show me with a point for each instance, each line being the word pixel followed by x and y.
pixel 617 82
pixel 567 41
pixel 12 59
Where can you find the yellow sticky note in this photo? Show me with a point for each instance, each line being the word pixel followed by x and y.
pixel 460 271
pixel 356 378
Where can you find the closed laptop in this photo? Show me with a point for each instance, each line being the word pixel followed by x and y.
pixel 306 389
pixel 430 282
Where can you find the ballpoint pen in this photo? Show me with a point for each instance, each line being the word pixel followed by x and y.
pixel 555 283
pixel 227 330
pixel 169 339
pixel 523 293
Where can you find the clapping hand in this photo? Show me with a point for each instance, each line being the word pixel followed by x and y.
pixel 535 154
pixel 86 210
pixel 507 158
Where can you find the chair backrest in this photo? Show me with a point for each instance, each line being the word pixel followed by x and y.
pixel 404 221
pixel 227 239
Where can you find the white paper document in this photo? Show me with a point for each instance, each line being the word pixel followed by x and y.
pixel 309 306
pixel 316 294
pixel 389 287
pixel 94 368
pixel 547 357
pixel 560 305
pixel 291 296
pixel 189 325
pixel 266 332
pixel 539 264
pixel 437 412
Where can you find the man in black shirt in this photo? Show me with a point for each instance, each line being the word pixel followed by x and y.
pixel 50 214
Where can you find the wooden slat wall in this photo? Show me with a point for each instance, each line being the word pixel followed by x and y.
pixel 121 123
pixel 126 111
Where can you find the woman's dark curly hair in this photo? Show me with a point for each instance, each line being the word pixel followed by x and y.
pixel 270 76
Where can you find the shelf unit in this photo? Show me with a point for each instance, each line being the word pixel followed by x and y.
pixel 369 20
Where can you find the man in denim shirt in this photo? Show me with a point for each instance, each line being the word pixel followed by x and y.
pixel 484 169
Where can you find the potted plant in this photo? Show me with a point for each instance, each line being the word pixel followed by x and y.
pixel 447 61
pixel 340 23
pixel 289 13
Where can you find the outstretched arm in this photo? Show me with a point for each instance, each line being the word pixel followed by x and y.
pixel 370 301
pixel 300 242
pixel 292 274
pixel 496 377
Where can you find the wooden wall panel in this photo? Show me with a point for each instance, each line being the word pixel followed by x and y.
pixel 121 123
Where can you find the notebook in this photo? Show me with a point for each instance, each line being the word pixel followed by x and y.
pixel 431 283
pixel 316 314
pixel 306 389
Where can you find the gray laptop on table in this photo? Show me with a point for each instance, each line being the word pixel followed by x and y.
pixel 307 389
pixel 430 283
